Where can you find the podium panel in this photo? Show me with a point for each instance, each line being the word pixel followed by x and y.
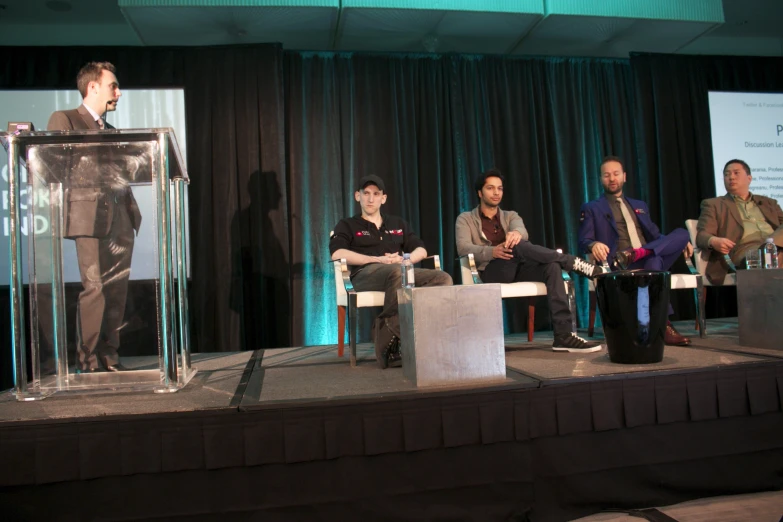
pixel 99 208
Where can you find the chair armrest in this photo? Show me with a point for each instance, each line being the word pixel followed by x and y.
pixel 689 262
pixel 729 263
pixel 566 276
pixel 345 273
pixel 469 262
pixel 431 262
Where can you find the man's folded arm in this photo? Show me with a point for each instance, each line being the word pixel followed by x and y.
pixel 517 224
pixel 465 244
pixel 353 258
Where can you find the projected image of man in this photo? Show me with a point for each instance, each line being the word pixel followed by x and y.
pixel 102 217
pixel 619 230
pixel 736 223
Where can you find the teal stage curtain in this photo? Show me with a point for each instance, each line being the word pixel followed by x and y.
pixel 278 139
pixel 428 125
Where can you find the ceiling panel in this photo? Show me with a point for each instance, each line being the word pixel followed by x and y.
pixel 297 27
pixel 611 37
pixel 386 29
pixel 505 26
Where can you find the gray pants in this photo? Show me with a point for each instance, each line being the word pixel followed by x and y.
pixel 104 265
pixel 388 278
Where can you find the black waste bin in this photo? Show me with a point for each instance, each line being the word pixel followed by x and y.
pixel 634 309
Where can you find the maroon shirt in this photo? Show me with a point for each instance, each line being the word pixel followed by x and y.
pixel 492 229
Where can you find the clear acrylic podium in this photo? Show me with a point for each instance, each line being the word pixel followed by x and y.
pixel 102 212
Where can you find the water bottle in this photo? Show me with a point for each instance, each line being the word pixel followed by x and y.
pixel 408 279
pixel 770 254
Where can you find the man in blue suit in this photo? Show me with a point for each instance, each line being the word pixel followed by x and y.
pixel 618 228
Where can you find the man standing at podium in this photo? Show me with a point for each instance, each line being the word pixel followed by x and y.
pixel 619 230
pixel 102 217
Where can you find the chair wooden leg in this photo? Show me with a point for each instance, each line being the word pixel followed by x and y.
pixel 701 314
pixel 531 317
pixel 340 331
pixel 353 325
pixel 591 319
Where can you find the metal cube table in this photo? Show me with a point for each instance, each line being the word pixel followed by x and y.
pixel 759 302
pixel 452 334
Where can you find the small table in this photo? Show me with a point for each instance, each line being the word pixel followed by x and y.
pixel 760 307
pixel 452 334
pixel 634 310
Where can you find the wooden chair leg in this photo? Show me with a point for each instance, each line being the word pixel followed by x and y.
pixel 701 311
pixel 531 317
pixel 591 319
pixel 340 330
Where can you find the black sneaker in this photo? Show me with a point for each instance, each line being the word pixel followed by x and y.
pixel 394 359
pixel 580 266
pixel 386 344
pixel 571 342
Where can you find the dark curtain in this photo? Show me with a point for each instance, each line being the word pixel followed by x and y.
pixel 240 288
pixel 349 116
pixel 551 122
pixel 673 126
pixel 277 141
pixel 429 125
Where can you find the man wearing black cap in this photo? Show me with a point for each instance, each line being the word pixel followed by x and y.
pixel 372 243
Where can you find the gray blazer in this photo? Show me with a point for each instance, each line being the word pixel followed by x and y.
pixel 471 240
pixel 89 205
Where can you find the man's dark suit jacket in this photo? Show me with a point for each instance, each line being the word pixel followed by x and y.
pixel 597 224
pixel 89 209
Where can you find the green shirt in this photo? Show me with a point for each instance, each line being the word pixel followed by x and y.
pixel 754 223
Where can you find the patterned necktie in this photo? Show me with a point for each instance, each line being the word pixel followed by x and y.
pixel 99 121
pixel 633 235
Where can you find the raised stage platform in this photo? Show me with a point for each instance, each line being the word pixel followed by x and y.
pixel 296 434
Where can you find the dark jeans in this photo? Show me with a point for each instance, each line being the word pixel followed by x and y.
pixel 534 263
pixel 388 278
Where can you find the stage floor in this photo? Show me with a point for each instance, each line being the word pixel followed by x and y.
pixel 563 436
pixel 304 376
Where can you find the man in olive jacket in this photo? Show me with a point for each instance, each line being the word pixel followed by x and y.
pixel 499 243
pixel 736 222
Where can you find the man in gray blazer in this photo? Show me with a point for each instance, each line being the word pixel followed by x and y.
pixel 499 243
pixel 737 222
pixel 101 216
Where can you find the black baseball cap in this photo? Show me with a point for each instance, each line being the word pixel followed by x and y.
pixel 371 180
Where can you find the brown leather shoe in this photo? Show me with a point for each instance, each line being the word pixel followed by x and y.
pixel 673 338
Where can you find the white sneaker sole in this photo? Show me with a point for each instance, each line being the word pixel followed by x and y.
pixel 578 350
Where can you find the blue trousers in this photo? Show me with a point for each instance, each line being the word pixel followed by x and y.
pixel 666 249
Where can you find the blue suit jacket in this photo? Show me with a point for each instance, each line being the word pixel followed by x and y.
pixel 597 224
